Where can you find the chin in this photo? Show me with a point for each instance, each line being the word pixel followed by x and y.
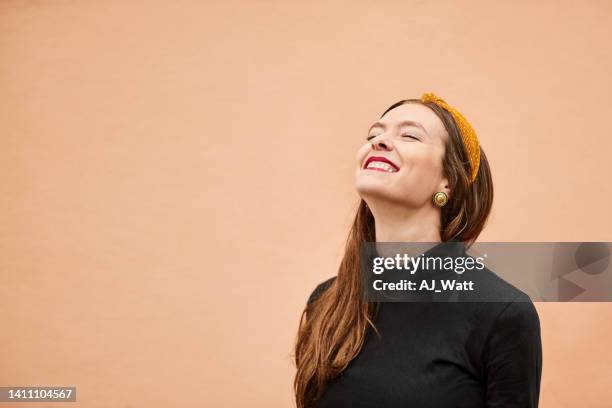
pixel 370 186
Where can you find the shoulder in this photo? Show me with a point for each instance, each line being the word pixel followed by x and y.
pixel 512 357
pixel 516 307
pixel 514 328
pixel 509 310
pixel 519 314
pixel 492 287
pixel 508 316
pixel 319 289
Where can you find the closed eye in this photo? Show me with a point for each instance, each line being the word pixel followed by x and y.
pixel 404 135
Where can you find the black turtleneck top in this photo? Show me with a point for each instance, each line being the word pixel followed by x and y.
pixel 445 355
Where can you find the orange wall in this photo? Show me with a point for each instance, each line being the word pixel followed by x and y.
pixel 177 177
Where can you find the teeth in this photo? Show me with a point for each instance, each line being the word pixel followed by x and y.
pixel 381 165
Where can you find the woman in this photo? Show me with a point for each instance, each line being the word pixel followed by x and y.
pixel 422 177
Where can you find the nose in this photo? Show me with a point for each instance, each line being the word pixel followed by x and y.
pixel 380 143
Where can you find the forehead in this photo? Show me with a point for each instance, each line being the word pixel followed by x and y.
pixel 419 113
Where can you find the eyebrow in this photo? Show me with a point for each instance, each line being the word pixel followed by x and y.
pixel 402 123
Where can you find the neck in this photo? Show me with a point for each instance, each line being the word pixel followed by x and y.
pixel 397 223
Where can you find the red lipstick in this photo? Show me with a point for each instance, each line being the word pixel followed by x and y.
pixel 380 159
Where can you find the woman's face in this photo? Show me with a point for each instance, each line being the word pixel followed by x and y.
pixel 405 164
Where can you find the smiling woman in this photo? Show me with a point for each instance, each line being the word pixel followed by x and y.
pixel 422 177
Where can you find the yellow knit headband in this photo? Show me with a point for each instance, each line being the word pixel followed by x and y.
pixel 470 141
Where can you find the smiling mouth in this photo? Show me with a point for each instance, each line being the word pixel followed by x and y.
pixel 380 164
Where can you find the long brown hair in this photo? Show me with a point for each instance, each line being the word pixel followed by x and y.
pixel 332 328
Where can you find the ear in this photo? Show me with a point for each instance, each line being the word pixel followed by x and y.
pixel 444 186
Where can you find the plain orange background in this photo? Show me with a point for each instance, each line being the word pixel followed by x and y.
pixel 177 176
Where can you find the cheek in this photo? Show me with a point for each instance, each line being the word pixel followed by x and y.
pixel 430 164
pixel 362 153
pixel 422 170
pixel 422 161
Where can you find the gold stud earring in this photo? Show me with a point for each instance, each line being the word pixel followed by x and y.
pixel 440 199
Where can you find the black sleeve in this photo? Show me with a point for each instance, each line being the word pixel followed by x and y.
pixel 513 358
pixel 321 287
